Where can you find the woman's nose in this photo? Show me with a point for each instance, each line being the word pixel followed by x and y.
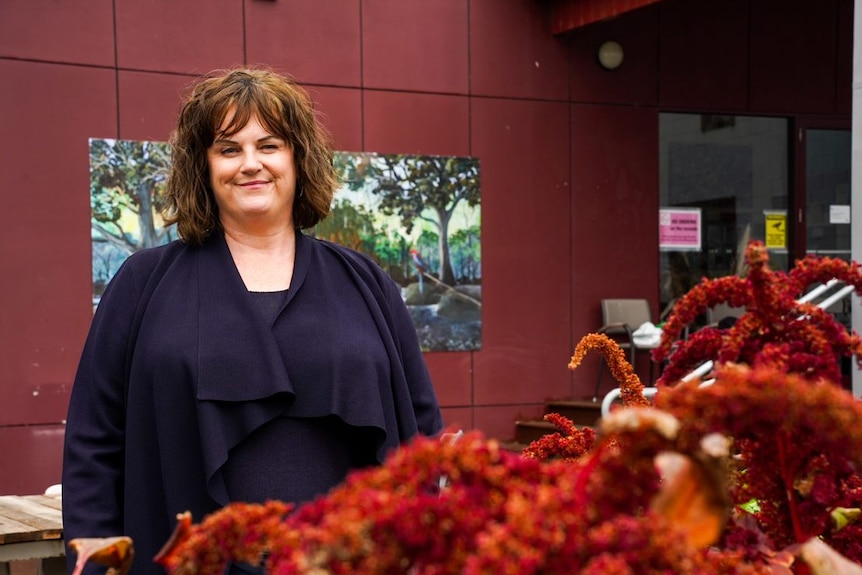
pixel 250 161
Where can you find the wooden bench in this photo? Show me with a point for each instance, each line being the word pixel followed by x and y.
pixel 31 527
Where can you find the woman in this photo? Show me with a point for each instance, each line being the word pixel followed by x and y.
pixel 246 361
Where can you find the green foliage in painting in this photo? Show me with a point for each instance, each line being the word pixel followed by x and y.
pixel 414 188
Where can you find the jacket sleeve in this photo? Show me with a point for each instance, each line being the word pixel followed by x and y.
pixel 422 394
pixel 423 399
pixel 93 454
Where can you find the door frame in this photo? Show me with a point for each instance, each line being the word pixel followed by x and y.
pixel 797 216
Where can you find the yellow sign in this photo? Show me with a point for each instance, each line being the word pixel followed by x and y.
pixel 776 229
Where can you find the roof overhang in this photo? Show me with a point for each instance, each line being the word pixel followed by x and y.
pixel 568 15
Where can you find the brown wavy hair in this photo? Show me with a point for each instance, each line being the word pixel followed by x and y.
pixel 284 108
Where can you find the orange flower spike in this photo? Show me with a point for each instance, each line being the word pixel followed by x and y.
pixel 631 387
pixel 757 256
pixel 831 333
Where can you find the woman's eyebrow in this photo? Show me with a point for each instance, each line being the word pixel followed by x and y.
pixel 227 140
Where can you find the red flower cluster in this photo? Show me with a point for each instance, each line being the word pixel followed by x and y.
pixel 652 494
pixel 758 473
pixel 797 456
pixel 775 330
pixel 502 514
pixel 568 443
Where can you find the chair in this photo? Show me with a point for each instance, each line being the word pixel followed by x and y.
pixel 620 318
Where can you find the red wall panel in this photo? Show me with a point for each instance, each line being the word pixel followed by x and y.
pixel 403 122
pixel 415 45
pixel 793 56
pixel 73 31
pixel 36 451
pixel 452 374
pixel 511 53
pixel 455 418
pixel 45 231
pixel 340 110
pixel 615 216
pixel 149 104
pixel 498 420
pixel 523 149
pixel 317 41
pixel 193 36
pixel 697 68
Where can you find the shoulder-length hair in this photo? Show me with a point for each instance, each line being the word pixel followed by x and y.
pixel 282 107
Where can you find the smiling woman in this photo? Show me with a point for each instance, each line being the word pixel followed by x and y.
pixel 252 174
pixel 245 361
pixel 253 179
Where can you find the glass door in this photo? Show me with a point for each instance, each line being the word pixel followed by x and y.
pixel 724 181
pixel 823 199
pixel 827 192
pixel 826 197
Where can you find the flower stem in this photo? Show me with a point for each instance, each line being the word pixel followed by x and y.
pixel 787 476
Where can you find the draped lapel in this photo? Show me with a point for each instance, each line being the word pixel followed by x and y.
pixel 301 265
pixel 239 357
pixel 242 378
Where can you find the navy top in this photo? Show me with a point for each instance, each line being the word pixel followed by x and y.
pixel 294 459
pixel 269 303
pixel 187 398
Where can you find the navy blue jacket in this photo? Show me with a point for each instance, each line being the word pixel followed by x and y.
pixel 178 368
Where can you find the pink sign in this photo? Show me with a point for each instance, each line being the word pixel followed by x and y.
pixel 679 229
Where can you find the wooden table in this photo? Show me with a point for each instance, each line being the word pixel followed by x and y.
pixel 31 527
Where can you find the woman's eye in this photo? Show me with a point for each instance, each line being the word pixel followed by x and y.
pixel 269 147
pixel 228 151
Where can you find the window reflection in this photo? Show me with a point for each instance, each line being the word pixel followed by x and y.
pixel 734 169
pixel 827 184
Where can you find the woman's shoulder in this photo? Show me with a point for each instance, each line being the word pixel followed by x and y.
pixel 137 271
pixel 149 256
pixel 350 254
pixel 362 263
pixel 142 263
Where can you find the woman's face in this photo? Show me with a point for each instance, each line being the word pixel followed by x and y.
pixel 253 177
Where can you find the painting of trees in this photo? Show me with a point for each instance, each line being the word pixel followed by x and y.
pixel 127 180
pixel 413 188
pixel 419 217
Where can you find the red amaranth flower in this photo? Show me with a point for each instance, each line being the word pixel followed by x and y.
pixel 772 321
pixel 569 443
pixel 608 502
pixel 630 384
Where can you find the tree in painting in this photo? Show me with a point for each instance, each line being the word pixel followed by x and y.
pixel 427 188
pixel 127 180
pixel 349 225
pixel 128 176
